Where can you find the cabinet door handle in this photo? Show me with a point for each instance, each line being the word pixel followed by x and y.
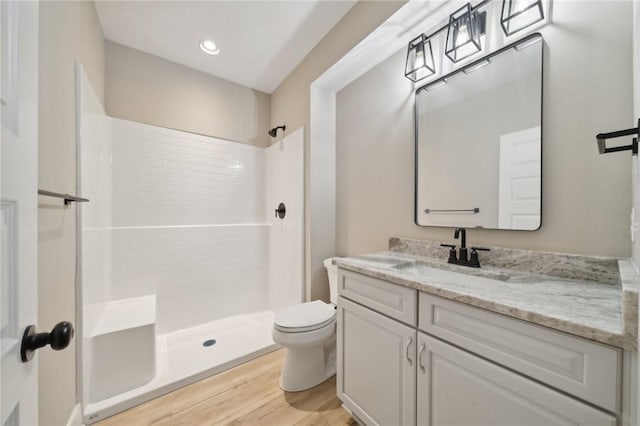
pixel 407 350
pixel 422 347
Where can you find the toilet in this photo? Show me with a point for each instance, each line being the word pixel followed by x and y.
pixel 308 332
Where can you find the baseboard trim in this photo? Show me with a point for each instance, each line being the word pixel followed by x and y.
pixel 75 419
pixel 353 416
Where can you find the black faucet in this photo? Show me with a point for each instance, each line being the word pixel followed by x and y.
pixel 462 258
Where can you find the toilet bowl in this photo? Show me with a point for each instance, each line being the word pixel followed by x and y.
pixel 308 332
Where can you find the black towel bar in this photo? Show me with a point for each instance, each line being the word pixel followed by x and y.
pixel 473 210
pixel 602 139
pixel 68 198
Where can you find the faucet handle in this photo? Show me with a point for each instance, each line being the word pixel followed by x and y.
pixel 453 257
pixel 474 261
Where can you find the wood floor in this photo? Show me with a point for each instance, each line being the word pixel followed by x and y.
pixel 246 395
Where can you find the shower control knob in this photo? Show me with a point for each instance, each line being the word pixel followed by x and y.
pixel 281 211
pixel 59 338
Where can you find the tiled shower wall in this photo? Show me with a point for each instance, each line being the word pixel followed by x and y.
pixel 188 224
pixel 94 168
pixel 94 218
pixel 164 177
pixel 284 169
pixel 187 218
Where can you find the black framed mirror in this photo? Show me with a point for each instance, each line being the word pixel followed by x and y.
pixel 478 147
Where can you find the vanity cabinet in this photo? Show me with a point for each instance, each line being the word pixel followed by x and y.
pixel 376 377
pixel 376 334
pixel 579 367
pixel 458 388
pixel 411 358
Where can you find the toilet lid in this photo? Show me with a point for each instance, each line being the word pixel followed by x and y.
pixel 305 315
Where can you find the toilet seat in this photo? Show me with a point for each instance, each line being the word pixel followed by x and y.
pixel 304 329
pixel 304 317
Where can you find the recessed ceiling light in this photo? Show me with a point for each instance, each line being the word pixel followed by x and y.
pixel 209 47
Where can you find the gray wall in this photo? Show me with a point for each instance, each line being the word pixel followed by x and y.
pixel 69 32
pixel 148 89
pixel 586 196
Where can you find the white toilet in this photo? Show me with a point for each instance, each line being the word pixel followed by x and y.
pixel 308 331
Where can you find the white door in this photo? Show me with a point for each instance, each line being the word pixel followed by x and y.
pixel 376 366
pixel 19 173
pixel 519 180
pixel 458 388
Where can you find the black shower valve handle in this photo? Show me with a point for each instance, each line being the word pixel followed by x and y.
pixel 281 211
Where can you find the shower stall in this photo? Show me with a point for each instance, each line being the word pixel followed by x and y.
pixel 182 260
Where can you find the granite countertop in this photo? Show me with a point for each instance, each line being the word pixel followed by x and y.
pixel 604 310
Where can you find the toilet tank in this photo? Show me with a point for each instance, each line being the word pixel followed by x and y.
pixel 332 272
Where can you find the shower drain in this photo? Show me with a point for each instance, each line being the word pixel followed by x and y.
pixel 209 342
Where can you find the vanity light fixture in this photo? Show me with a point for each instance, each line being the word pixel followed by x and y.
pixel 520 14
pixel 420 62
pixel 209 47
pixel 463 34
pixel 464 30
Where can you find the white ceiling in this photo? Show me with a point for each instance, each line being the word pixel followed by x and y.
pixel 261 42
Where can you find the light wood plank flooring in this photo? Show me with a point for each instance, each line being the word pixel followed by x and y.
pixel 245 395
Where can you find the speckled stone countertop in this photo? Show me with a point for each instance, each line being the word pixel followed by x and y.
pixel 604 310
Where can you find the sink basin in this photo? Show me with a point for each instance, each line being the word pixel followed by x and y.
pixel 428 270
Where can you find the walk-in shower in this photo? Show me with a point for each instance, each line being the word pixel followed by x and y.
pixel 182 261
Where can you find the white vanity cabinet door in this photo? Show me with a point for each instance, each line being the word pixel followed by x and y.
pixel 458 388
pixel 577 366
pixel 376 366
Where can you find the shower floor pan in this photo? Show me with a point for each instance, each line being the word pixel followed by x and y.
pixel 182 359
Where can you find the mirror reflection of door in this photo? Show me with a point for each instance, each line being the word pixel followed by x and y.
pixel 519 180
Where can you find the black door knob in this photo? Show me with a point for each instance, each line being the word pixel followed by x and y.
pixel 59 338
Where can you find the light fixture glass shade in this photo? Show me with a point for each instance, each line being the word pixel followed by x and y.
pixel 419 59
pixel 463 34
pixel 520 14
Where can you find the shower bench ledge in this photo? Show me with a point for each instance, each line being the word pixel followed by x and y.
pixel 121 314
pixel 121 340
